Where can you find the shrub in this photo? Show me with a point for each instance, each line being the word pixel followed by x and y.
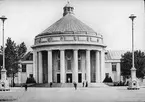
pixel 108 79
pixel 30 80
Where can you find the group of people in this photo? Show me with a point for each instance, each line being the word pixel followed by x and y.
pixel 85 84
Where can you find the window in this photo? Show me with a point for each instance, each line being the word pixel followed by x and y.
pixel 79 64
pixel 68 64
pixel 23 67
pixel 69 61
pixel 114 67
pixel 79 61
pixel 58 64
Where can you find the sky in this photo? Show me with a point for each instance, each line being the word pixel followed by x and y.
pixel 28 18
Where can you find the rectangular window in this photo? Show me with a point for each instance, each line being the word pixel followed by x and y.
pixel 58 64
pixel 23 67
pixel 68 64
pixel 79 65
pixel 114 67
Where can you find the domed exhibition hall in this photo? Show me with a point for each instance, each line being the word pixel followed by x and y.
pixel 70 51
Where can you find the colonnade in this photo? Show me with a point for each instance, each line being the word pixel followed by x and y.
pixel 100 62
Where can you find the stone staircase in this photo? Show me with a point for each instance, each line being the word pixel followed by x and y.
pixel 91 85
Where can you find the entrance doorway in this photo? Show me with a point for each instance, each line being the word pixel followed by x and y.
pixel 79 77
pixel 69 78
pixel 58 78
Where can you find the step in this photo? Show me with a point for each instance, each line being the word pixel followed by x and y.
pixel 69 85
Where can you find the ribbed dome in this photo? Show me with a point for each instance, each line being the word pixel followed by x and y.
pixel 67 24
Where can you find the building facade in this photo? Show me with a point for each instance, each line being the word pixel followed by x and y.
pixel 111 67
pixel 68 51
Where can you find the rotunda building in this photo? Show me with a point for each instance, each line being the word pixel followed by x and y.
pixel 68 51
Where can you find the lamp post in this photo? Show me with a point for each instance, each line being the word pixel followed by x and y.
pixel 133 84
pixel 3 18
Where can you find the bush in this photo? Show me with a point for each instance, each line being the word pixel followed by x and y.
pixel 30 80
pixel 108 79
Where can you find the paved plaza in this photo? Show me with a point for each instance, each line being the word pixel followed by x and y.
pixel 106 94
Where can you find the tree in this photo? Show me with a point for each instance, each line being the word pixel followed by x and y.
pixel 139 61
pixel 13 54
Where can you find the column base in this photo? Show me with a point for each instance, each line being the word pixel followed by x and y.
pixel 133 85
pixel 4 85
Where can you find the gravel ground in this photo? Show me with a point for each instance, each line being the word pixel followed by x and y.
pixel 106 94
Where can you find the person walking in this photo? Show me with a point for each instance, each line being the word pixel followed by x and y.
pixel 83 83
pixel 86 84
pixel 25 87
pixel 50 84
pixel 75 85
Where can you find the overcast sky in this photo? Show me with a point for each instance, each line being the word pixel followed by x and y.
pixel 27 18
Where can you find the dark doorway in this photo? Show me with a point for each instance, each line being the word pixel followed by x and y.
pixel 58 78
pixel 79 77
pixel 69 78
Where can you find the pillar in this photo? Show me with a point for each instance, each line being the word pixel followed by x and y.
pixel 3 74
pixel 83 64
pixel 102 66
pixel 49 66
pixel 40 68
pixel 19 73
pixel 118 72
pixel 97 67
pixel 88 66
pixel 62 66
pixel 35 66
pixel 75 72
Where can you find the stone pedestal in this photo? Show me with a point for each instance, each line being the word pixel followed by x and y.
pixel 133 84
pixel 19 75
pixel 4 84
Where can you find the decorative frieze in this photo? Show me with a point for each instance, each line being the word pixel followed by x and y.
pixel 43 40
pixel 81 38
pixel 56 38
pixel 69 38
pixel 93 39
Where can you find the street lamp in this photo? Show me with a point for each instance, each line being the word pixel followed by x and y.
pixel 133 84
pixel 5 85
pixel 3 18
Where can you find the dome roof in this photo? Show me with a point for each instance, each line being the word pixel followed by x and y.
pixel 68 24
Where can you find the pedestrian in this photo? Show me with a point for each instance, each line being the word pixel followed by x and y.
pixel 50 84
pixel 25 87
pixel 86 84
pixel 75 85
pixel 83 83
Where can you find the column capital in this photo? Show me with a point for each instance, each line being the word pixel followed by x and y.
pixel 75 49
pixel 49 50
pixel 88 49
pixel 62 49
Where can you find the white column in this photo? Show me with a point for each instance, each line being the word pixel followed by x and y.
pixel 35 66
pixel 88 65
pixel 19 73
pixel 62 66
pixel 49 66
pixel 40 68
pixel 118 72
pixel 83 68
pixel 102 66
pixel 97 67
pixel 75 72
